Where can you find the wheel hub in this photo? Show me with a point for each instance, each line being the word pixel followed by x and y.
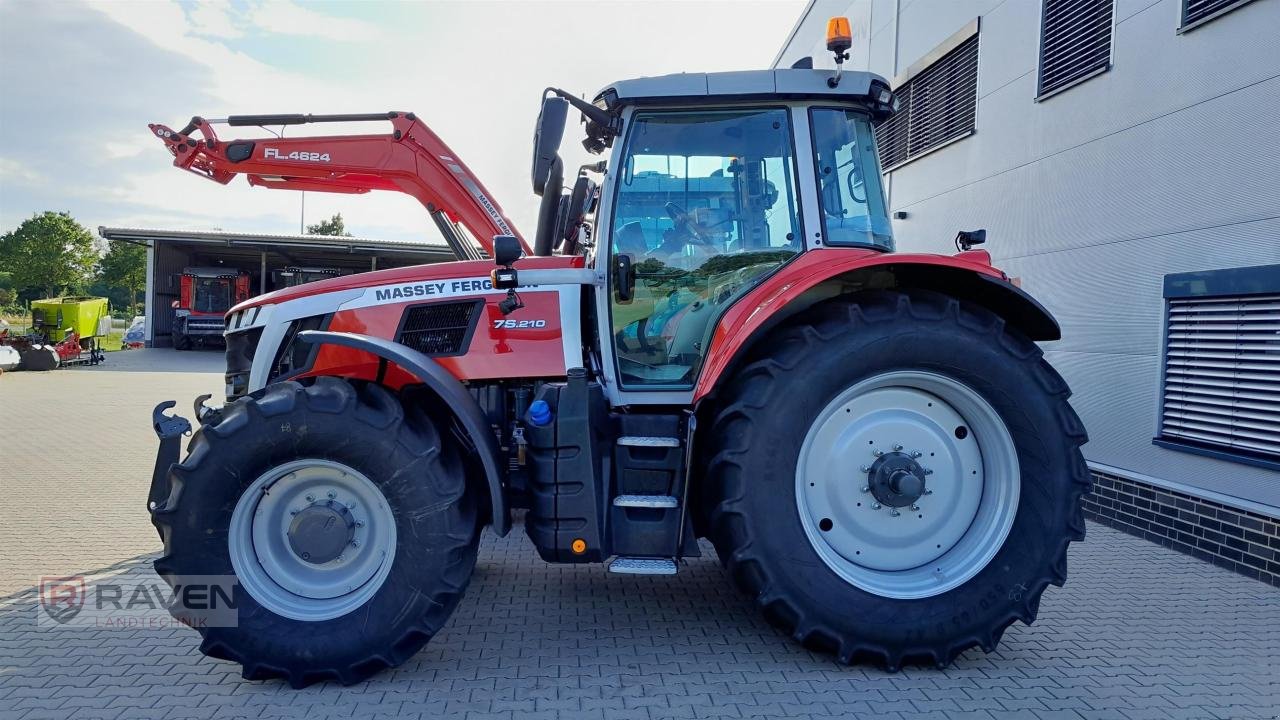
pixel 321 531
pixel 907 484
pixel 896 480
pixel 312 539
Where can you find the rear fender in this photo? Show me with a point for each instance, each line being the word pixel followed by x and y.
pixel 824 274
pixel 450 391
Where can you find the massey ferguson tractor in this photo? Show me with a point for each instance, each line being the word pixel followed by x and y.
pixel 710 337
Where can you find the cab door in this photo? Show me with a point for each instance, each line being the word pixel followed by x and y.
pixel 704 205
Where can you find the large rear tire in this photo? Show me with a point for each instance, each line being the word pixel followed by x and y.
pixel 896 478
pixel 259 497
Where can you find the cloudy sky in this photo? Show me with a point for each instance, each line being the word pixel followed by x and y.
pixel 80 81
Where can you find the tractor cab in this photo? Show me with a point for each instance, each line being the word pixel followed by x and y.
pixel 715 181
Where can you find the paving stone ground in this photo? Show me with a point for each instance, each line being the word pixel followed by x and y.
pixel 1138 631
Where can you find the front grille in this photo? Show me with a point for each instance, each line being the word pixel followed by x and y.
pixel 439 328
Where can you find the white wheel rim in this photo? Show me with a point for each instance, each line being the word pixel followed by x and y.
pixel 271 570
pixel 970 479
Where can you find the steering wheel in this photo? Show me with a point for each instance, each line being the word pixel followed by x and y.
pixel 684 221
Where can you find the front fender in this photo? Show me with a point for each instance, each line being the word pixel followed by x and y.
pixel 822 274
pixel 450 390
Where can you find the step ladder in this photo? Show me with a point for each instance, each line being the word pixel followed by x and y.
pixel 646 519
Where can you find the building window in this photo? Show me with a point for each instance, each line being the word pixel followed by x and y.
pixel 1075 42
pixel 937 105
pixel 1221 393
pixel 1198 12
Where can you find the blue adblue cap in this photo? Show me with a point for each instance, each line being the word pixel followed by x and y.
pixel 539 413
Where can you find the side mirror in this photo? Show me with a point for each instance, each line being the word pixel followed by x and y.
pixel 966 239
pixel 506 250
pixel 547 135
pixel 624 278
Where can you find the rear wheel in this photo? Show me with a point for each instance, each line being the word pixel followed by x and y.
pixel 896 478
pixel 345 522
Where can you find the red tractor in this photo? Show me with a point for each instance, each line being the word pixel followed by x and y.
pixel 711 337
pixel 205 295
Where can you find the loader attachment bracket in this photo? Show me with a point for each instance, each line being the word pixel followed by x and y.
pixel 169 429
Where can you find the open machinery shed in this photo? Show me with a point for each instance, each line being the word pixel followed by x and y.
pixel 169 252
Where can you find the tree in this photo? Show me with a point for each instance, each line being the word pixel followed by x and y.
pixel 48 252
pixel 125 267
pixel 332 226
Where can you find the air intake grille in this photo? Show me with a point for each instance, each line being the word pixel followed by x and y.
pixel 1222 374
pixel 1075 41
pixel 1193 11
pixel 935 106
pixel 439 328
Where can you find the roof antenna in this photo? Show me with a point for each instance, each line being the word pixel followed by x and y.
pixel 839 40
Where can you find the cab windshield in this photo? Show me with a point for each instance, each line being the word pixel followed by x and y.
pixel 705 208
pixel 849 188
pixel 212 295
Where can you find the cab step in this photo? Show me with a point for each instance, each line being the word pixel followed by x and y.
pixel 643 566
pixel 645 441
pixel 646 501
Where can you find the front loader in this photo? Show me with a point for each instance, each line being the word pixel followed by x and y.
pixel 711 337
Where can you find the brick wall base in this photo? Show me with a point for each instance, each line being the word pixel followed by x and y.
pixel 1246 542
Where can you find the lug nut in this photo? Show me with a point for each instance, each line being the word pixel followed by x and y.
pixel 877 453
pixel 896 448
pixel 915 508
pixel 359 524
pixel 928 491
pixel 355 543
pixel 894 513
pixel 294 512
pixel 927 471
pixel 916 453
pixel 332 494
pixel 311 498
pixel 864 468
pixel 875 506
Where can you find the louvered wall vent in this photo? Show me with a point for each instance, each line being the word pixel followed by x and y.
pixel 1195 11
pixel 936 106
pixel 1222 374
pixel 439 328
pixel 1075 41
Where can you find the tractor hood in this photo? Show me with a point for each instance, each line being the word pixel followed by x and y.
pixel 404 275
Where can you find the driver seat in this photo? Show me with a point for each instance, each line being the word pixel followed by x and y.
pixel 630 240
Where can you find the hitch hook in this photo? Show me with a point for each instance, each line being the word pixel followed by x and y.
pixel 168 426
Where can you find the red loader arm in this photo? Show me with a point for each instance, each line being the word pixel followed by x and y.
pixel 411 159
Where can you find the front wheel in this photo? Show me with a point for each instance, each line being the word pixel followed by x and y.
pixel 897 478
pixel 343 517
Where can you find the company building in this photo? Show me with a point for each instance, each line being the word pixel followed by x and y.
pixel 1124 158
